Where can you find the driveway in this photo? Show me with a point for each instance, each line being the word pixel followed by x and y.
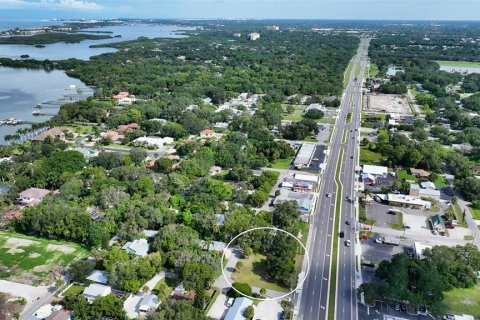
pixel 131 305
pixel 35 296
pixel 268 310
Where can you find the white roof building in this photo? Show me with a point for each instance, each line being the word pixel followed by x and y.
pixel 418 249
pixel 98 276
pixel 46 310
pixel 137 247
pixel 407 200
pixel 375 170
pixel 428 185
pixel 148 303
pixel 304 156
pixel 236 311
pixel 154 141
pixel 96 290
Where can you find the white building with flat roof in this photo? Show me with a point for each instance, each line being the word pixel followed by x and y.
pixel 253 36
pixel 375 170
pixel 304 156
pixel 137 247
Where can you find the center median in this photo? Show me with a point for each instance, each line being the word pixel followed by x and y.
pixel 333 261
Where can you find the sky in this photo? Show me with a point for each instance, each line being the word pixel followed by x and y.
pixel 248 9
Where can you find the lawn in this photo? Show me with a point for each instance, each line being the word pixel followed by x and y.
pixel 475 213
pixel 30 260
pixel 296 115
pixel 458 63
pixel 403 174
pixel 373 72
pixel 74 290
pixel 370 157
pixel 462 301
pixel 81 129
pixel 282 163
pixel 347 74
pixel 253 272
pixel 166 286
pixel 441 182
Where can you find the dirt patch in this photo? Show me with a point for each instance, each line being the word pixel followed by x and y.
pixel 42 268
pixel 34 255
pixel 14 244
pixel 60 247
pixel 389 103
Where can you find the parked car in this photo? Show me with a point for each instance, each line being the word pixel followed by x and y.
pixel 347 222
pixel 378 240
pixel 230 302
pixel 449 317
pixel 403 307
pixel 396 306
pixel 341 234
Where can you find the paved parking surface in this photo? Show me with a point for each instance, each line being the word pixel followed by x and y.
pixel 268 310
pixel 385 312
pixel 378 212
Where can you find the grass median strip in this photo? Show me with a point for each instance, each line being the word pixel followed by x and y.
pixel 344 136
pixel 333 270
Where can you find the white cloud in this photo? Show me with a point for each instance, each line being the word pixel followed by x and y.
pixel 72 4
pixel 51 4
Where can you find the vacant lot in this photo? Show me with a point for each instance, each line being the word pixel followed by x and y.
pixel 253 272
pixel 389 103
pixel 460 301
pixel 370 157
pixel 297 113
pixel 31 260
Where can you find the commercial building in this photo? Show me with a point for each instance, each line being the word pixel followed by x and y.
pixel 408 201
pixel 437 223
pixel 305 201
pixel 253 36
pixel 304 156
pixel 375 170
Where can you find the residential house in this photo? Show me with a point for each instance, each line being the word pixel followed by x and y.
pixel 235 312
pixel 416 191
pixel 122 95
pixel 420 173
pixel 32 196
pixel 220 126
pixel 154 141
pixel 60 315
pixel 207 133
pixel 55 132
pixel 114 135
pixel 46 311
pixel 428 185
pixel 98 276
pixel 179 293
pixel 149 303
pixel 137 247
pixel 95 290
pixel 12 214
pixel 127 127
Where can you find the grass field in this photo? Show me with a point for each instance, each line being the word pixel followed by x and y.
pixel 253 272
pixel 462 301
pixel 30 260
pixel 399 224
pixel 373 71
pixel 370 157
pixel 475 213
pixel 347 74
pixel 296 115
pixel 73 290
pixel 441 182
pixel 81 129
pixel 165 285
pixel 403 174
pixel 458 63
pixel 282 163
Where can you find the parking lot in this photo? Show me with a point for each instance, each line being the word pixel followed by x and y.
pixel 378 212
pixel 317 159
pixel 384 311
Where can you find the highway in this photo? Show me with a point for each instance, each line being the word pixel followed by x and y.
pixel 313 300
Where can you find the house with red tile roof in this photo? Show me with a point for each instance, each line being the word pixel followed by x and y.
pixel 53 133
pixel 114 135
pixel 12 214
pixel 207 133
pixel 121 95
pixel 127 127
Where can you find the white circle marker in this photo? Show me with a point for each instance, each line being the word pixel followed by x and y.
pixel 300 283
